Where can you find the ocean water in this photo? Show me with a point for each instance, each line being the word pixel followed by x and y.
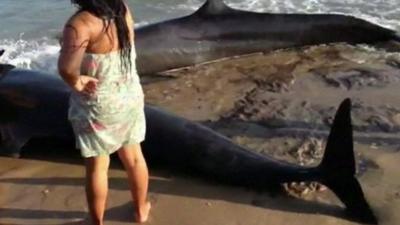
pixel 28 28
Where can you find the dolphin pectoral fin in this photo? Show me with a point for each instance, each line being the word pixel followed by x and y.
pixel 13 148
pixel 338 166
pixel 12 140
pixel 9 153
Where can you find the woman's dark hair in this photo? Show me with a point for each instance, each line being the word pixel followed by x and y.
pixel 109 10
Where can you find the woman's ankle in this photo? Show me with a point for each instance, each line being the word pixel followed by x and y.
pixel 142 212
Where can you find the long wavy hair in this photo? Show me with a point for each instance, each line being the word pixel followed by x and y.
pixel 109 10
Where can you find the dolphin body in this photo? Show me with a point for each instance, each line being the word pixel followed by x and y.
pixel 216 31
pixel 35 104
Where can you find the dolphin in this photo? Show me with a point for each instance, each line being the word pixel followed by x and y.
pixel 35 104
pixel 215 31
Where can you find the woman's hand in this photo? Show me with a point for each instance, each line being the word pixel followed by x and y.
pixel 86 85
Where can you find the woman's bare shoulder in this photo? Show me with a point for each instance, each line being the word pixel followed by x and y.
pixel 82 18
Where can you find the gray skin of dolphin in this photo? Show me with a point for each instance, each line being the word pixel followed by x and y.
pixel 215 31
pixel 34 104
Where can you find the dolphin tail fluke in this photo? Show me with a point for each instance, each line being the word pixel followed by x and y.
pixel 349 191
pixel 338 166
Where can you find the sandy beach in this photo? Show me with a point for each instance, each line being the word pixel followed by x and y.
pixel 280 104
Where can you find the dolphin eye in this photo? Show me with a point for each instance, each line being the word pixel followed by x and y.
pixel 18 99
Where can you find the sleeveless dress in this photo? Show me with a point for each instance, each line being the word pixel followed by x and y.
pixel 114 115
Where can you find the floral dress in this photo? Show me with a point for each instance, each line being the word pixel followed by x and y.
pixel 114 115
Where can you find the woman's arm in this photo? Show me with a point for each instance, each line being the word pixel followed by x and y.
pixel 76 36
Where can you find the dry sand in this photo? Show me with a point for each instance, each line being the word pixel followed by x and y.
pixel 280 104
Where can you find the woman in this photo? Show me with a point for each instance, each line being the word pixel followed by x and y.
pixel 97 61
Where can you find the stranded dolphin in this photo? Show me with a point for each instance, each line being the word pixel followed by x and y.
pixel 216 30
pixel 34 104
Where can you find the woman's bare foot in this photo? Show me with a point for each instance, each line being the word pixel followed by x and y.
pixel 142 214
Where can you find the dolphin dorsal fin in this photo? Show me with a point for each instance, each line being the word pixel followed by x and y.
pixel 214 7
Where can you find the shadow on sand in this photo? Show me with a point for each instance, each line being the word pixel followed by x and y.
pixel 65 153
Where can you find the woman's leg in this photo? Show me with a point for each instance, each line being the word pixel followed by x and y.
pixel 97 186
pixel 138 176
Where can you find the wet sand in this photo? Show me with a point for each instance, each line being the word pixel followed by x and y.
pixel 280 104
